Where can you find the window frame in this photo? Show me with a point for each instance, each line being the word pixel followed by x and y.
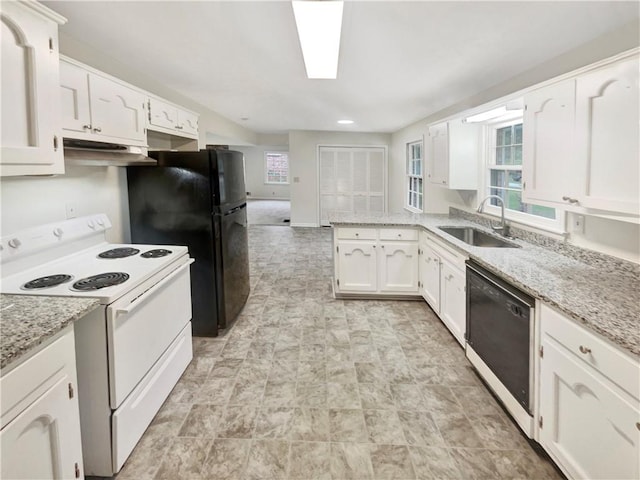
pixel 410 176
pixel 266 166
pixel 556 225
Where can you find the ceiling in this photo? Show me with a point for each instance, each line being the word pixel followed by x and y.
pixel 399 61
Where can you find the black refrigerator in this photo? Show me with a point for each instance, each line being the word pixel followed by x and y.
pixel 198 199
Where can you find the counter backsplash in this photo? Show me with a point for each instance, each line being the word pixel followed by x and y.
pixel 596 259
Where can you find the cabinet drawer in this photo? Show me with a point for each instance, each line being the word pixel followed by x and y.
pixel 403 234
pixel 31 379
pixel 357 233
pixel 591 350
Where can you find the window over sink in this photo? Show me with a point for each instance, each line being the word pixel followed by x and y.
pixel 504 178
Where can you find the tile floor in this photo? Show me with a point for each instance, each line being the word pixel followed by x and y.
pixel 304 386
pixel 268 212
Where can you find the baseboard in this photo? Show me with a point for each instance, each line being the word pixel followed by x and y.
pixel 268 198
pixel 308 225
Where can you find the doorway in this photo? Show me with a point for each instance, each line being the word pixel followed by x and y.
pixel 268 212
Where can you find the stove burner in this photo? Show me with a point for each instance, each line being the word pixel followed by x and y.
pixel 158 252
pixel 119 252
pixel 102 280
pixel 46 282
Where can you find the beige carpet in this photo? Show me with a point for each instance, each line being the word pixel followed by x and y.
pixel 268 212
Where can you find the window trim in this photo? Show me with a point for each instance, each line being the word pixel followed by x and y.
pixel 409 177
pixel 266 168
pixel 557 225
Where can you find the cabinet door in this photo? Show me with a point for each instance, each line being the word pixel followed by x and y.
pixel 607 119
pixel 187 123
pixel 398 267
pixel 43 442
pixel 357 266
pixel 74 89
pixel 549 168
pixel 116 111
pixel 162 114
pixel 588 427
pixel 453 300
pixel 430 277
pixel 30 100
pixel 439 154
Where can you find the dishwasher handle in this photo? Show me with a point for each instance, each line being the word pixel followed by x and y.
pixel 511 292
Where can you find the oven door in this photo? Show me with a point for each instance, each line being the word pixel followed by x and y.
pixel 141 326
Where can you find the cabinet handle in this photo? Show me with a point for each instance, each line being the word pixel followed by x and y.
pixel 584 350
pixel 638 425
pixel 179 127
pixel 435 260
pixel 449 277
pixel 570 200
pixel 97 129
pixel 399 235
pixel 382 246
pixel 357 234
pixel 85 127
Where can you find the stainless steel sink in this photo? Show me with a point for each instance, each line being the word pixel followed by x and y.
pixel 477 238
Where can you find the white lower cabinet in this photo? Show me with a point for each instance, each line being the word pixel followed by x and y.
pixel 376 261
pixel 443 284
pixel 590 422
pixel 40 436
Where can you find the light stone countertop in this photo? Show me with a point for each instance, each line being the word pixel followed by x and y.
pixel 602 295
pixel 27 321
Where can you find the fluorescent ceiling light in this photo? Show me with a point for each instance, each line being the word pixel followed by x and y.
pixel 345 122
pixel 319 24
pixel 501 113
pixel 488 115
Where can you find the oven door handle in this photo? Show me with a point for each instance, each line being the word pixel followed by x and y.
pixel 132 306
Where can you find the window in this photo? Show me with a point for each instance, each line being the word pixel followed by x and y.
pixel 504 178
pixel 414 176
pixel 276 167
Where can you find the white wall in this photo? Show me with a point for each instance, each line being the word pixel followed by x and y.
pixel 254 172
pixel 32 201
pixel 303 148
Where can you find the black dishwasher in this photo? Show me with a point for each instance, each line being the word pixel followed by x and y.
pixel 500 330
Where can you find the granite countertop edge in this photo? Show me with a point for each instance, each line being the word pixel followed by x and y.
pixel 27 321
pixel 538 272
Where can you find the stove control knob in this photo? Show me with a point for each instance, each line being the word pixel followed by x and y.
pixel 58 232
pixel 100 222
pixel 14 243
pixel 91 224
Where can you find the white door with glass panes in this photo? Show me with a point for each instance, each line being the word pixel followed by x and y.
pixel 505 177
pixel 352 180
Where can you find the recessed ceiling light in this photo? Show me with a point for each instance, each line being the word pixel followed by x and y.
pixel 319 24
pixel 345 122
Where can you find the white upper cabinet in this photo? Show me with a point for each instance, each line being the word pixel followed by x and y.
pixel 31 138
pixel 99 108
pixel 166 117
pixel 453 154
pixel 548 167
pixel 581 141
pixel 607 131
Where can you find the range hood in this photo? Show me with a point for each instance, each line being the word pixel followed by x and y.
pixel 85 152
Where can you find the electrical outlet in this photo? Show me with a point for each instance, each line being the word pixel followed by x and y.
pixel 577 223
pixel 72 210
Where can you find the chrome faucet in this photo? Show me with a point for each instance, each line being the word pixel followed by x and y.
pixel 503 229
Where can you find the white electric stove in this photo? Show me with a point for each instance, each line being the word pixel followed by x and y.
pixel 131 352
